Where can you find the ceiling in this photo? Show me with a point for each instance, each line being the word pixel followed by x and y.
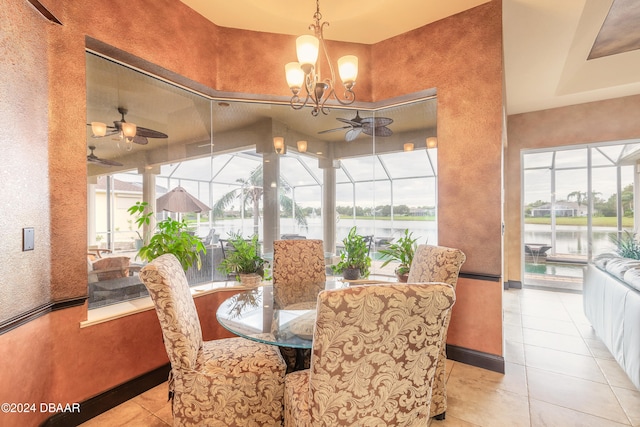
pixel 546 42
pixel 546 46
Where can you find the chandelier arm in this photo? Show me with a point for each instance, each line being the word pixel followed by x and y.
pixel 297 104
pixel 349 96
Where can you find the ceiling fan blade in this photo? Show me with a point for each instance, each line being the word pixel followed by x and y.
pixel 150 133
pixel 336 129
pixel 102 162
pixel 353 123
pixel 352 134
pixel 142 140
pixel 377 131
pixel 92 158
pixel 377 121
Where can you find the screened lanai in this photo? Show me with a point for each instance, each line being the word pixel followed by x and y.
pixel 578 202
pixel 382 178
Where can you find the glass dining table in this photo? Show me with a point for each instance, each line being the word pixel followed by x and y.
pixel 254 314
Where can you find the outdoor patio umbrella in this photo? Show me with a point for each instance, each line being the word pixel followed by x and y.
pixel 180 201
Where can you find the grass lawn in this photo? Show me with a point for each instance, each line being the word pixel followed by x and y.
pixel 596 221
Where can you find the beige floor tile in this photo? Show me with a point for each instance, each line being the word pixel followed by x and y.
pixel 514 352
pixel 154 399
pixel 598 349
pixel 165 414
pixel 486 406
pixel 544 414
pixel 127 414
pixel 630 401
pixel 512 332
pixel 514 379
pixel 555 341
pixel 553 310
pixel 586 331
pixel 561 362
pixel 615 375
pixel 512 318
pixel 451 421
pixel 574 393
pixel 550 325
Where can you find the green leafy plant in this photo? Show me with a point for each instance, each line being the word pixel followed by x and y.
pixel 171 236
pixel 243 257
pixel 627 245
pixel 401 251
pixel 355 254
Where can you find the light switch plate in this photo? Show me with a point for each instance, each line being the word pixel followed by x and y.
pixel 28 239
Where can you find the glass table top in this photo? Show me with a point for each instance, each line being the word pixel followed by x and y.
pixel 251 314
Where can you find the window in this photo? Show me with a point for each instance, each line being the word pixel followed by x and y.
pixel 221 153
pixel 575 201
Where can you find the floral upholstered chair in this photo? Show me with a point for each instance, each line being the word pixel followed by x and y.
pixel 299 271
pixel 299 274
pixel 375 350
pixel 227 382
pixel 437 264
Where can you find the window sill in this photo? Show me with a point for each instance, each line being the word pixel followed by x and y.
pixel 116 311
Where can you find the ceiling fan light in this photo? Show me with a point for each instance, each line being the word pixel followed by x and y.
pixel 408 146
pixel 98 129
pixel 348 69
pixel 307 49
pixel 295 76
pixel 129 129
pixel 278 144
pixel 302 146
pixel 432 142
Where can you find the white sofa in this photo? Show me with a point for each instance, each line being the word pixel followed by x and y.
pixel 612 304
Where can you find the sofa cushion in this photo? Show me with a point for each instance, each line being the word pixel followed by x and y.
pixel 632 278
pixel 619 266
pixel 601 260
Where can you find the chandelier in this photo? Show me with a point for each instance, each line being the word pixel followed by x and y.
pixel 305 74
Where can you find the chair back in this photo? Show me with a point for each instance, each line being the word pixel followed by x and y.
pixel 375 350
pixel 436 264
pixel 299 271
pixel 165 279
pixel 109 268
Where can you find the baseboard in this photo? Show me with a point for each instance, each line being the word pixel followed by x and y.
pixel 110 399
pixel 476 358
pixel 512 284
pixel 33 314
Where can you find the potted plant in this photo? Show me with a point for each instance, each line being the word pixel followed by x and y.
pixel 354 258
pixel 171 237
pixel 402 251
pixel 244 260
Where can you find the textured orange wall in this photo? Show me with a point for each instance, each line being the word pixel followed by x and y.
pixel 602 121
pixel 52 359
pixel 460 56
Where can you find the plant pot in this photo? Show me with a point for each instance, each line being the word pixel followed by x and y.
pixel 251 279
pixel 402 278
pixel 351 273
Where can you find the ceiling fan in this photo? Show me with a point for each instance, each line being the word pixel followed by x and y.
pixel 368 125
pixel 141 134
pixel 92 158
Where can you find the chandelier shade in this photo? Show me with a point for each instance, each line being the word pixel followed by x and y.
pixel 305 79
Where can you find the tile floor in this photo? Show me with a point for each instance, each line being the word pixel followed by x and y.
pixel 558 373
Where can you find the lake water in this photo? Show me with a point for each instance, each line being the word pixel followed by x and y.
pixel 425 231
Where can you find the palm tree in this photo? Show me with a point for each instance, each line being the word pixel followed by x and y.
pixel 250 193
